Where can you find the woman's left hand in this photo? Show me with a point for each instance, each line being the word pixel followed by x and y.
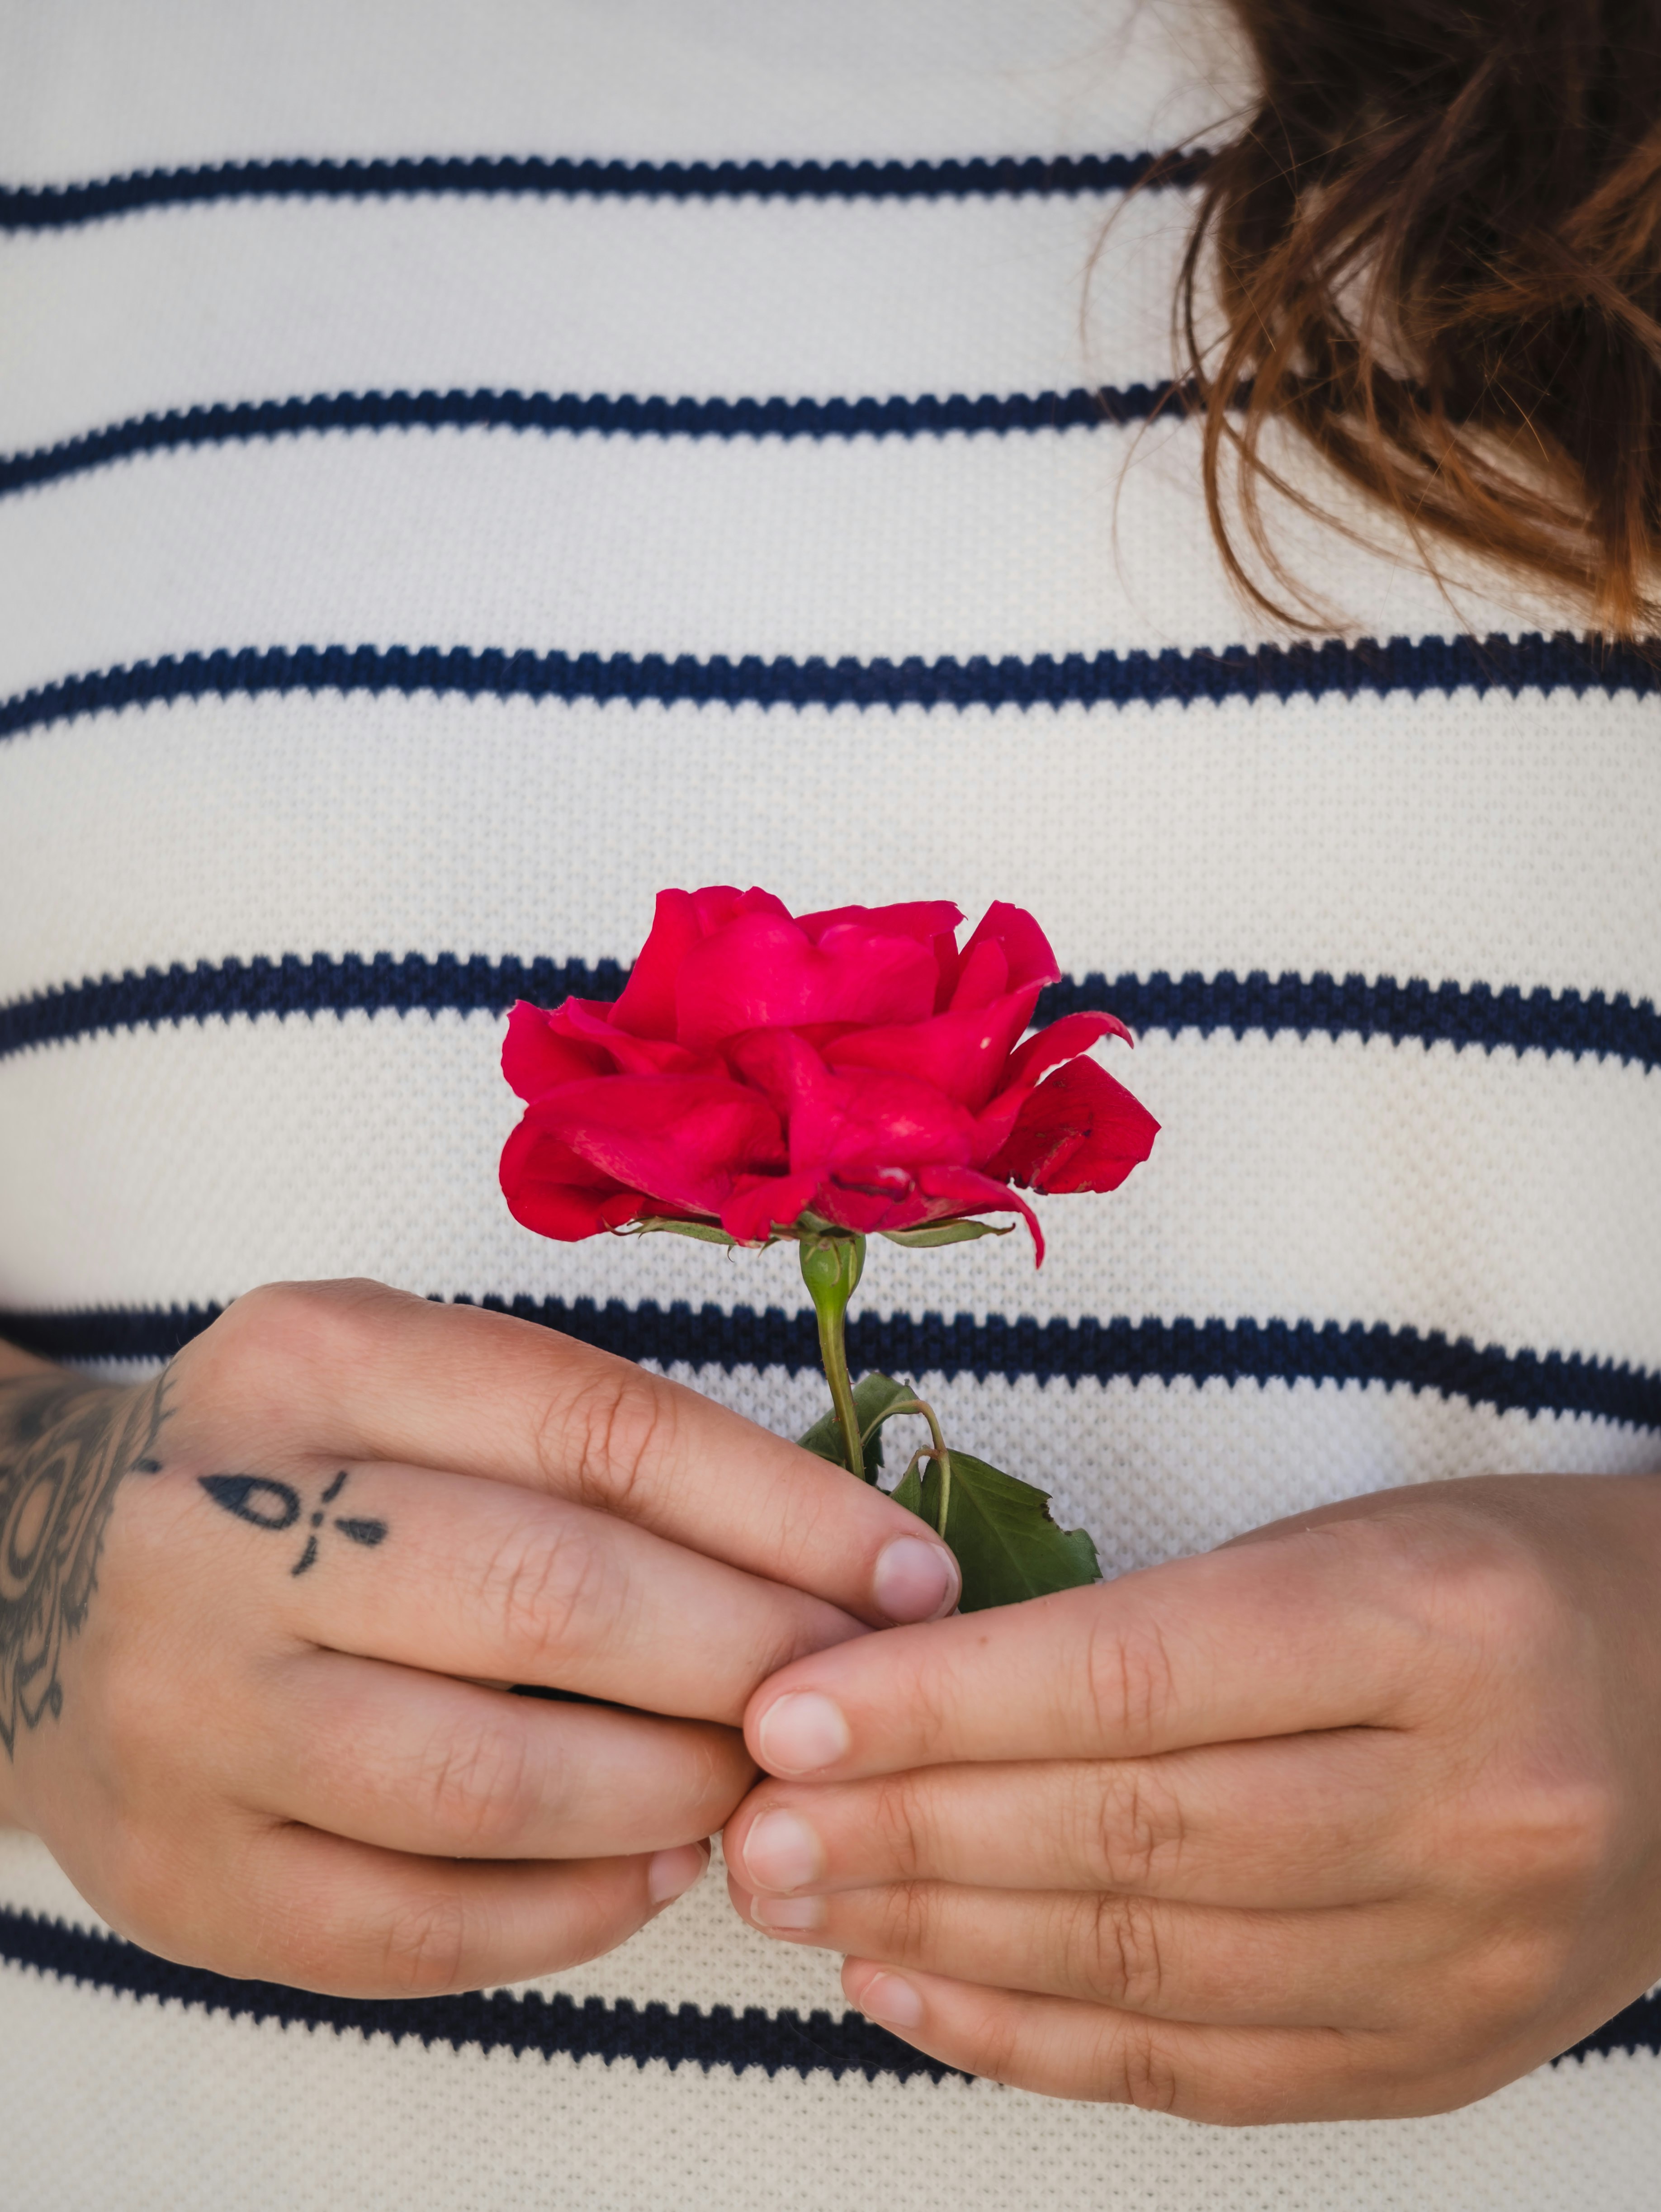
pixel 1359 1816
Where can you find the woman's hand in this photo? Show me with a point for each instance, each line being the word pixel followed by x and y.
pixel 1359 1816
pixel 252 1615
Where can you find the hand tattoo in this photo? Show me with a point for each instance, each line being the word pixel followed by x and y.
pixel 64 1446
pixel 267 1504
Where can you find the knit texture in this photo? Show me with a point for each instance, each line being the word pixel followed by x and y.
pixel 464 467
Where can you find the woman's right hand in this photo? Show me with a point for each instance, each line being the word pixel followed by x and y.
pixel 251 1615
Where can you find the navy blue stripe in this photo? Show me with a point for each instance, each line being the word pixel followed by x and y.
pixel 1258 1352
pixel 51 207
pixel 782 2043
pixel 1236 672
pixel 624 416
pixel 1464 1016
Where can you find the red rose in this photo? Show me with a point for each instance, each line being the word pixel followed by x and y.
pixel 854 1064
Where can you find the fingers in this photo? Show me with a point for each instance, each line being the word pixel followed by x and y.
pixel 1296 1822
pixel 1185 1962
pixel 1268 1640
pixel 366 1372
pixel 1061 2047
pixel 477 1579
pixel 418 1763
pixel 315 1912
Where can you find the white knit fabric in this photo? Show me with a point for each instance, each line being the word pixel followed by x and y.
pixel 1493 1198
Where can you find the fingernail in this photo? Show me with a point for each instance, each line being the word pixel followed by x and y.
pixel 892 2003
pixel 802 1732
pixel 798 1914
pixel 671 1873
pixel 915 1580
pixel 782 1852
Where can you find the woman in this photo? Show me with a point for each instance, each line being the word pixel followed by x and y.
pixel 1354 1820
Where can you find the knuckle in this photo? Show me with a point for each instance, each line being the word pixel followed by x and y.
pixel 1566 1834
pixel 1501 1993
pixel 998 2052
pixel 275 1335
pixel 423 1944
pixel 934 1696
pixel 1506 1600
pixel 603 1441
pixel 543 1594
pixel 480 1791
pixel 718 1775
pixel 1539 1817
pixel 1130 1679
pixel 1134 1828
pixel 899 1824
pixel 1143 2071
pixel 1118 1946
pixel 1478 1590
pixel 907 1916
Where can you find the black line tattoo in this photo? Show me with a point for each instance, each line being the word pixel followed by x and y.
pixel 65 1445
pixel 265 1503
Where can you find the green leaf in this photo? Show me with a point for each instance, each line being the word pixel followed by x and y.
pixel 705 1231
pixel 1006 1543
pixel 908 1492
pixel 949 1233
pixel 874 1399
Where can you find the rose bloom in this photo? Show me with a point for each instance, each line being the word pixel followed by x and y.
pixel 855 1067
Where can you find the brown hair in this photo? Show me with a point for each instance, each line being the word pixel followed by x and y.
pixel 1437 244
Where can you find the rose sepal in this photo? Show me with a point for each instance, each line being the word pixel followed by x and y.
pixel 647 1225
pixel 945 1232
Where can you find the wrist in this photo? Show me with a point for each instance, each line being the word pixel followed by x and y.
pixel 66 1441
pixel 15 1362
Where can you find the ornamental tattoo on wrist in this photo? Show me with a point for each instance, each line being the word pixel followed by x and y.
pixel 65 1446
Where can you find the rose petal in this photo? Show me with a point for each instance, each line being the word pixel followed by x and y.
pixel 761 972
pixel 923 919
pixel 1079 1130
pixel 960 1053
pixel 866 1211
pixel 715 913
pixel 866 1125
pixel 589 1022
pixel 1024 944
pixel 958 1191
pixel 947 961
pixel 770 1202
pixel 646 1005
pixel 683 1139
pixel 784 1066
pixel 982 976
pixel 536 1057
pixel 1063 1040
pixel 549 1189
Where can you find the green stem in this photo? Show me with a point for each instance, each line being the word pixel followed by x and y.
pixel 830 1268
pixel 940 1455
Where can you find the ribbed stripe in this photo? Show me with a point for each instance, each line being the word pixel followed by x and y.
pixel 779 2042
pixel 1236 672
pixel 51 207
pixel 1144 1351
pixel 1475 1015
pixel 624 416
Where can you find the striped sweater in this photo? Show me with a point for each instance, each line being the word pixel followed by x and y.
pixel 463 466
